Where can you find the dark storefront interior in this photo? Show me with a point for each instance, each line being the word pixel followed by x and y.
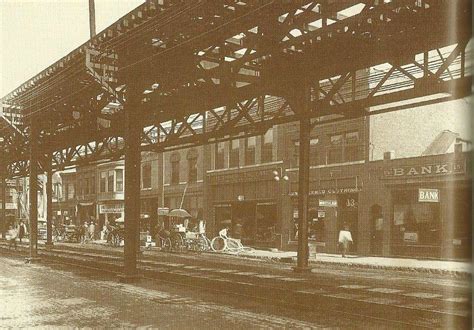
pixel 255 223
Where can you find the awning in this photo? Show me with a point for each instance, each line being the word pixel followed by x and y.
pixel 85 204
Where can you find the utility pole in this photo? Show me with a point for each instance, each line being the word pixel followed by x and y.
pixel 92 18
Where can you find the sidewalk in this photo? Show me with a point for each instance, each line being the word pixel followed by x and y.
pixel 458 268
pixel 404 264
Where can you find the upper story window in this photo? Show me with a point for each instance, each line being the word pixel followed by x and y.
pixel 86 184
pixel 234 153
pixel 313 152
pixel 344 148
pixel 103 181
pixel 146 176
pixel 192 165
pixel 70 191
pixel 110 181
pixel 93 183
pixel 267 146
pixel 119 179
pixel 174 168
pixel 295 159
pixel 219 155
pixel 250 145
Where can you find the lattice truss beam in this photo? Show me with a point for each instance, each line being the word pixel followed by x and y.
pixel 210 70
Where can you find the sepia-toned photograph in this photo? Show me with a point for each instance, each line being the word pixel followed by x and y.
pixel 236 164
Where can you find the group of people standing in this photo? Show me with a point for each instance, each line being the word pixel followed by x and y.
pixel 16 232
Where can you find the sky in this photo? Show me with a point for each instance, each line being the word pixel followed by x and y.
pixel 37 33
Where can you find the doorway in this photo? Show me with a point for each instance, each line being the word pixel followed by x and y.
pixel 376 230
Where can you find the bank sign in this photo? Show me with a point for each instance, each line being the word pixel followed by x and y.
pixel 428 195
pixel 425 170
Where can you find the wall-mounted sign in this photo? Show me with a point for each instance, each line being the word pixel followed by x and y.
pixel 410 237
pixel 241 198
pixel 111 208
pixel 426 170
pixel 321 214
pixel 328 202
pixel 9 206
pixel 243 176
pixel 330 191
pixel 163 211
pixel 295 213
pixel 428 195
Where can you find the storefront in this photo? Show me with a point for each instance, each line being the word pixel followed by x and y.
pixel 110 211
pixel 428 208
pixel 248 200
pixel 328 211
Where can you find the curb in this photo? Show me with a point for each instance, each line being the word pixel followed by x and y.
pixel 454 273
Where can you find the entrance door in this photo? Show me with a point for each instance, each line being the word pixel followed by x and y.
pixel 243 220
pixel 348 214
pixel 376 232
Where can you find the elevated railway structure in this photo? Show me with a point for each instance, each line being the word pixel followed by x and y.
pixel 176 73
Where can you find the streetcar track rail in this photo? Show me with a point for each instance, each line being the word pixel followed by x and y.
pixel 273 294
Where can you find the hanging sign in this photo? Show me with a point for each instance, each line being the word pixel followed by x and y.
pixel 428 195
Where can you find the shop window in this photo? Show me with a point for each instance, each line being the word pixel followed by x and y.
pixel 222 213
pixel 119 179
pixel 250 145
pixel 110 181
pixel 415 223
pixel 316 228
pixel 146 176
pixel 175 171
pixel 266 222
pixel 219 155
pixel 234 153
pixel 267 146
pixel 192 170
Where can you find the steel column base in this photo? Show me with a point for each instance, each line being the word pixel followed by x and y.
pixel 32 260
pixel 126 278
pixel 302 269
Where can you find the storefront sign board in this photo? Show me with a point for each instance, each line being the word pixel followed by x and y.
pixel 112 208
pixel 428 195
pixel 435 169
pixel 328 203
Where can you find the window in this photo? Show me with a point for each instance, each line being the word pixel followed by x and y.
pixel 110 182
pixel 175 171
pixel 146 176
pixel 103 181
pixel 192 169
pixel 334 154
pixel 295 159
pixel 93 185
pixel 351 151
pixel 313 151
pixel 70 191
pixel 86 183
pixel 250 145
pixel 234 153
pixel 267 146
pixel 119 179
pixel 219 153
pixel 80 187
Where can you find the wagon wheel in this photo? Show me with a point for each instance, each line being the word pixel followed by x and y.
pixel 177 242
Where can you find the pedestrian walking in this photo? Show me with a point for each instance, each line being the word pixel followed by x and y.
pixel 22 230
pixel 345 238
pixel 92 231
pixel 11 236
pixel 83 232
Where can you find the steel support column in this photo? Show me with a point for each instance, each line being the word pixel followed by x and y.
pixel 33 197
pixel 3 178
pixel 49 204
pixel 303 181
pixel 132 182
